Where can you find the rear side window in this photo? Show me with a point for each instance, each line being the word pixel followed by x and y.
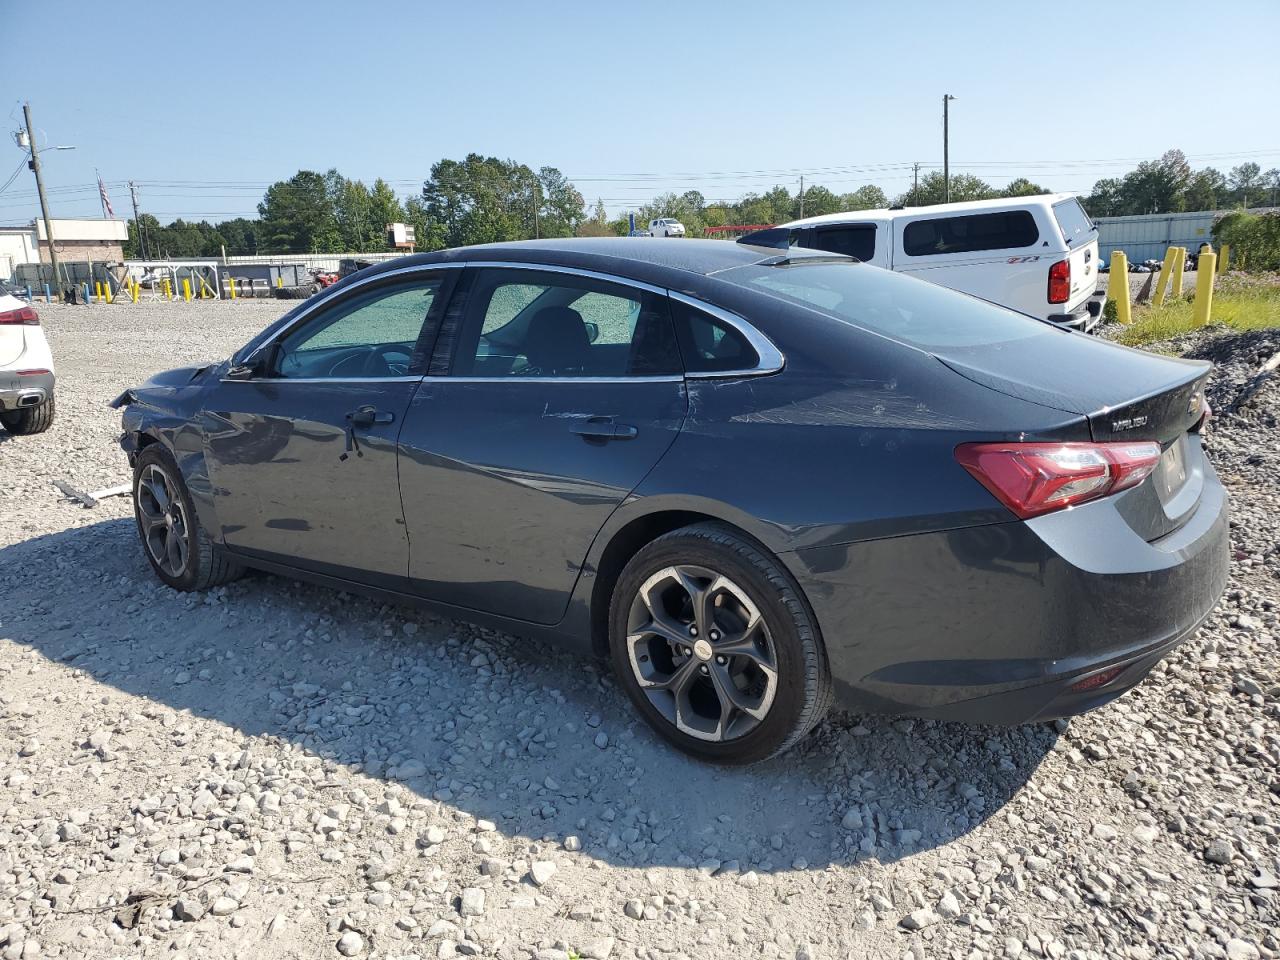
pixel 855 240
pixel 709 345
pixel 1073 221
pixel 1006 230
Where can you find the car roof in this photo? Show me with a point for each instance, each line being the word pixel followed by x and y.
pixel 644 255
pixel 940 209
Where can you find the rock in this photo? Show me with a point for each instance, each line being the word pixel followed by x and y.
pixel 634 909
pixel 541 872
pixel 602 740
pixel 1241 950
pixel 433 835
pixel 350 944
pixel 29 748
pixel 600 949
pixel 949 907
pixel 188 908
pixel 472 904
pixel 919 919
pixel 852 820
pixel 572 844
pixel 1218 851
pixel 411 769
pixel 1104 831
pixel 223 907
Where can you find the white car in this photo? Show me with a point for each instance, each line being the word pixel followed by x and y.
pixel 666 227
pixel 26 367
pixel 1037 255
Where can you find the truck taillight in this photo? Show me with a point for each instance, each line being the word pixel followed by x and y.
pixel 1060 282
pixel 25 316
pixel 1035 478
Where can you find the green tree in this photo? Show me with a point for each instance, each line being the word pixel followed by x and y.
pixel 240 235
pixel 964 187
pixel 1206 190
pixel 1022 187
pixel 819 201
pixel 384 208
pixel 487 200
pixel 298 216
pixel 869 197
pixel 352 213
pixel 1246 180
pixel 561 207
pixel 597 225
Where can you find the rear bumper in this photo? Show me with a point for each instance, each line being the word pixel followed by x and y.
pixel 1084 317
pixel 995 624
pixel 30 390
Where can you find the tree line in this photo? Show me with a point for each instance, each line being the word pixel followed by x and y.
pixel 485 200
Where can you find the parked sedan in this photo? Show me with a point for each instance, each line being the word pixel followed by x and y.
pixel 756 479
pixel 26 367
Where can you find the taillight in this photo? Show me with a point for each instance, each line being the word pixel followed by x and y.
pixel 1035 478
pixel 26 316
pixel 1060 282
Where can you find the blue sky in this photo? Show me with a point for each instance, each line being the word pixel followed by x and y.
pixel 204 108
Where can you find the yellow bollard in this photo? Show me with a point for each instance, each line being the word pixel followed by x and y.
pixel 186 289
pixel 106 288
pixel 279 281
pixel 1203 304
pixel 133 290
pixel 168 291
pixel 1179 269
pixel 1118 283
pixel 1166 268
pixel 1224 258
pixel 232 282
pixel 97 290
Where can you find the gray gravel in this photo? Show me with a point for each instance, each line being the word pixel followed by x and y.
pixel 277 770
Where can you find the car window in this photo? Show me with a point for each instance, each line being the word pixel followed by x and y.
pixel 1072 221
pixel 902 307
pixel 854 240
pixel 1009 229
pixel 709 345
pixel 528 324
pixel 370 335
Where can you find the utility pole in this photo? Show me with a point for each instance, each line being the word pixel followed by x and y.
pixel 137 221
pixel 915 182
pixel 802 197
pixel 34 164
pixel 946 148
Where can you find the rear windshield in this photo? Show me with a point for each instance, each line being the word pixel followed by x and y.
pixel 1073 221
pixel 1006 230
pixel 912 311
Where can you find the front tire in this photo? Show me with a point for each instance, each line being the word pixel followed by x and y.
pixel 716 647
pixel 28 420
pixel 177 547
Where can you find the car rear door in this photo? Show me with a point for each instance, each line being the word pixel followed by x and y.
pixel 301 451
pixel 548 403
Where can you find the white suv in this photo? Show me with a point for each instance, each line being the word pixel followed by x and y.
pixel 666 227
pixel 26 367
pixel 1037 255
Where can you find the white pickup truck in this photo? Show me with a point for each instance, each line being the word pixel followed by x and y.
pixel 1037 255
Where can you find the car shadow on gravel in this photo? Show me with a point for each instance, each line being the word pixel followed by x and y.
pixel 498 727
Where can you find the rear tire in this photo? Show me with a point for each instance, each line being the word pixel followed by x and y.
pixel 28 420
pixel 164 511
pixel 712 684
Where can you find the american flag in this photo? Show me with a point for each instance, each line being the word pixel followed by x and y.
pixel 106 201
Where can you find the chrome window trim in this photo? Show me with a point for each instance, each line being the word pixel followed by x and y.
pixel 770 357
pixel 655 378
pixel 277 380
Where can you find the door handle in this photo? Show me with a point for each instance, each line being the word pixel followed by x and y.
pixel 368 416
pixel 603 429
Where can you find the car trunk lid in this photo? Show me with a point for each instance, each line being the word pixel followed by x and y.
pixel 12 343
pixel 1124 394
pixel 1081 237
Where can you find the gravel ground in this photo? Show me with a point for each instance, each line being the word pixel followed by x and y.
pixel 276 770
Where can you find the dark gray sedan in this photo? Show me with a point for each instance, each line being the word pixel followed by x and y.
pixel 755 478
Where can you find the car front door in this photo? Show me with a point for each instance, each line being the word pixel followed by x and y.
pixel 558 393
pixel 301 444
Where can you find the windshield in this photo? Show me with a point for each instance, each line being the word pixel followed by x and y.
pixel 1073 221
pixel 912 311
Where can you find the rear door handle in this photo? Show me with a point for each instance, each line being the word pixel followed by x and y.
pixel 368 416
pixel 603 429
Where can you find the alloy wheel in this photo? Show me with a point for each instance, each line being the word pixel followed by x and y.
pixel 166 529
pixel 702 653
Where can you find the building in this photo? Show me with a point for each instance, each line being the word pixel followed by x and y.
pixel 99 241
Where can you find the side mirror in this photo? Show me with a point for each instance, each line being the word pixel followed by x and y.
pixel 259 364
pixel 593 330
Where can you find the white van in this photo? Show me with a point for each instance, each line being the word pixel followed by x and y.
pixel 1037 255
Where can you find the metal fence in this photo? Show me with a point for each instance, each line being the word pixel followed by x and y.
pixel 1148 236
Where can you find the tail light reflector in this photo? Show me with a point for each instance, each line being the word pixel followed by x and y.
pixel 25 316
pixel 1095 681
pixel 1035 478
pixel 1060 282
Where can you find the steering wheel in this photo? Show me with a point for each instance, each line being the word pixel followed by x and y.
pixel 387 359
